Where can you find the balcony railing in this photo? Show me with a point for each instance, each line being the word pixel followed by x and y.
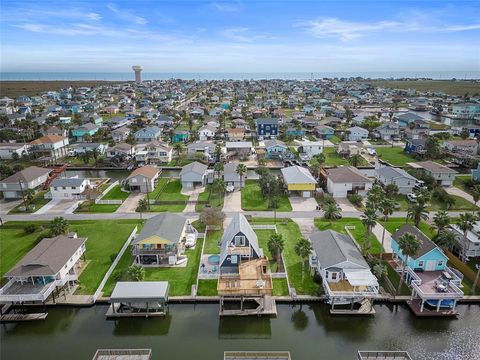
pixel 40 296
pixel 453 291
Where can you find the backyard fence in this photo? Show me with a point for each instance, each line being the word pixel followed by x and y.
pixel 279 275
pixel 114 264
pixel 99 200
pixel 177 202
pixel 462 267
pixel 264 227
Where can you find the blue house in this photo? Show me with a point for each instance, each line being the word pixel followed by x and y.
pixel 80 132
pixel 324 132
pixel 295 132
pixel 429 258
pixel 275 149
pixel 266 128
pixel 180 136
pixel 414 146
pixel 148 134
pixel 476 173
pixel 406 118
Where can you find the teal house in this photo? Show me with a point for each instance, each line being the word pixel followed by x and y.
pixel 295 132
pixel 80 132
pixel 324 132
pixel 429 258
pixel 476 173
pixel 275 149
pixel 180 136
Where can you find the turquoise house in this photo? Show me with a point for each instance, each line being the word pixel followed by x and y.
pixel 295 132
pixel 429 258
pixel 275 149
pixel 325 132
pixel 180 135
pixel 81 131
pixel 476 173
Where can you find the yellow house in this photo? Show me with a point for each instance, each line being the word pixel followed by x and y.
pixel 299 179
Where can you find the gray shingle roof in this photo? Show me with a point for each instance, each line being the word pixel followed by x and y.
pixel 427 244
pixel 168 226
pixel 195 167
pixel 297 175
pixel 69 182
pixel 48 257
pixel 389 172
pixel 26 175
pixel 333 248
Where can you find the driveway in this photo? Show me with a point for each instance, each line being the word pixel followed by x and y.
pixel 193 193
pixel 303 204
pixel 453 190
pixel 346 205
pixel 233 201
pixel 387 242
pixel 131 202
pixel 306 225
pixel 6 206
pixel 61 207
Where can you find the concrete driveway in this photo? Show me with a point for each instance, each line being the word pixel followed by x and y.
pixel 131 202
pixel 453 190
pixel 6 206
pixel 346 205
pixel 302 204
pixel 306 226
pixel 193 196
pixel 61 207
pixel 233 201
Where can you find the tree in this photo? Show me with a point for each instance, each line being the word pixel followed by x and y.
pixel 275 246
pixel 142 206
pixel 348 115
pixel 475 191
pixel 391 191
pixel 417 212
pixel 212 216
pixel 59 226
pixel 219 186
pixel 387 206
pixel 178 150
pixel 29 196
pixel 303 248
pixel 355 160
pixel 375 195
pixel 317 163
pixel 466 222
pixel 409 246
pixel 86 156
pixel 369 219
pixel 218 168
pixel 441 220
pixel 241 171
pixel 432 147
pixel 379 270
pixel 331 211
pixel 445 239
pixel 131 140
pixel 136 273
pixel 218 152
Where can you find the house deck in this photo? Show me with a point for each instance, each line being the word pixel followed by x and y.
pixel 266 306
pixel 415 306
pixel 344 286
pixel 251 280
pixel 22 317
pixel 429 280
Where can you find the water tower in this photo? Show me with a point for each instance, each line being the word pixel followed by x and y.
pixel 138 73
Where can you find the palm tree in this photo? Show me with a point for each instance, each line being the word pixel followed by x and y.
pixel 178 150
pixel 369 219
pixel 136 273
pixel 375 195
pixel 218 168
pixel 59 226
pixel 303 248
pixel 241 171
pixel 409 245
pixel 356 159
pixel 417 212
pixel 387 206
pixel 142 206
pixel 275 246
pixel 466 222
pixel 29 196
pixel 445 239
pixel 475 191
pixel 131 140
pixel 219 186
pixel 441 220
pixel 331 211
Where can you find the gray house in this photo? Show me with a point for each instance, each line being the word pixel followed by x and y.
pixel 387 131
pixel 203 149
pixel 231 177
pixel 29 178
pixel 442 174
pixel 389 175
pixel 143 179
pixel 193 174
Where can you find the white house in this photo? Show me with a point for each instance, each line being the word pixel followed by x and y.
pixel 29 178
pixel 70 188
pixel 311 148
pixel 357 133
pixel 206 132
pixel 389 175
pixel 345 180
pixel 443 175
pixel 51 146
pixel 467 247
pixel 8 149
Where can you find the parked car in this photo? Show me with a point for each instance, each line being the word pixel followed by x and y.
pixel 412 197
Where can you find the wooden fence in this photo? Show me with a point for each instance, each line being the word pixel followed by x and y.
pixel 464 268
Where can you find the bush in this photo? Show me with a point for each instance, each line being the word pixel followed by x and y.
pixel 30 228
pixel 356 199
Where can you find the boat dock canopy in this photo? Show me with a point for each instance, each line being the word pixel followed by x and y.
pixel 139 291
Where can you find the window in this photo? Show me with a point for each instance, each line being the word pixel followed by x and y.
pixel 420 263
pixel 440 263
pixel 334 276
pixel 74 187
pixel 55 188
pixel 63 187
pixel 233 259
pixel 240 240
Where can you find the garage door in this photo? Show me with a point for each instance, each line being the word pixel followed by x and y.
pixel 306 194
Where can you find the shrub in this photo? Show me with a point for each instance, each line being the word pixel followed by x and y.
pixel 30 228
pixel 356 199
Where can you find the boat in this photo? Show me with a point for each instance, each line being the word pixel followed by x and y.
pixel 444 304
pixel 190 241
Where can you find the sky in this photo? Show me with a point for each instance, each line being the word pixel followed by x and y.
pixel 239 36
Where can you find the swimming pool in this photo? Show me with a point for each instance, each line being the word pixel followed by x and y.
pixel 214 259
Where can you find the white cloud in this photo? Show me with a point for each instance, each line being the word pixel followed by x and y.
pixel 127 15
pixel 224 6
pixel 348 30
pixel 243 34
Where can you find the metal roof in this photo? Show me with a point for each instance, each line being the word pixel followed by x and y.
pixel 168 226
pixel 297 175
pixel 68 182
pixel 140 290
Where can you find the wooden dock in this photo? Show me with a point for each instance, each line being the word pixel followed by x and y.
pixel 266 306
pixel 415 306
pixel 23 317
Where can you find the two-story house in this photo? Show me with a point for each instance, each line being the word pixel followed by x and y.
pixel 461 147
pixel 88 129
pixel 387 131
pixel 148 134
pixel 69 188
pixel 443 175
pixel 206 132
pixel 154 152
pixel 345 180
pixel 143 179
pixel 267 128
pixel 387 175
pixel 275 149
pixel 50 146
pixel 357 133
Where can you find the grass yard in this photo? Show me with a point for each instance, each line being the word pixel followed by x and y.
pixel 280 287
pixel 116 193
pixel 394 155
pixel 207 288
pixel 38 200
pixel 216 199
pixel 335 139
pixel 303 283
pixel 460 204
pixel 171 192
pixel 212 242
pixel 252 199
pixel 158 188
pixel 263 237
pixel 458 87
pixel 459 182
pixel 91 207
pixel 332 158
pixel 358 233
pixel 394 278
pixel 393 224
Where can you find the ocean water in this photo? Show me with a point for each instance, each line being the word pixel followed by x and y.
pixel 129 76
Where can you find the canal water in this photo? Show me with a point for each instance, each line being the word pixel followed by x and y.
pixel 196 332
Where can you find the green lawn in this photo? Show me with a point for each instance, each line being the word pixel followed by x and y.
pixel 459 182
pixel 207 288
pixel 216 199
pixel 263 237
pixel 158 188
pixel 171 192
pixel 291 233
pixel 460 204
pixel 116 193
pixel 358 233
pixel 394 155
pixel 402 201
pixel 91 207
pixel 252 199
pixel 335 139
pixel 394 278
pixel 211 242
pixel 280 287
pixel 332 158
pixel 393 224
pixel 38 201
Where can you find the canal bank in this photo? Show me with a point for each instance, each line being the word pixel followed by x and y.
pixel 189 331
